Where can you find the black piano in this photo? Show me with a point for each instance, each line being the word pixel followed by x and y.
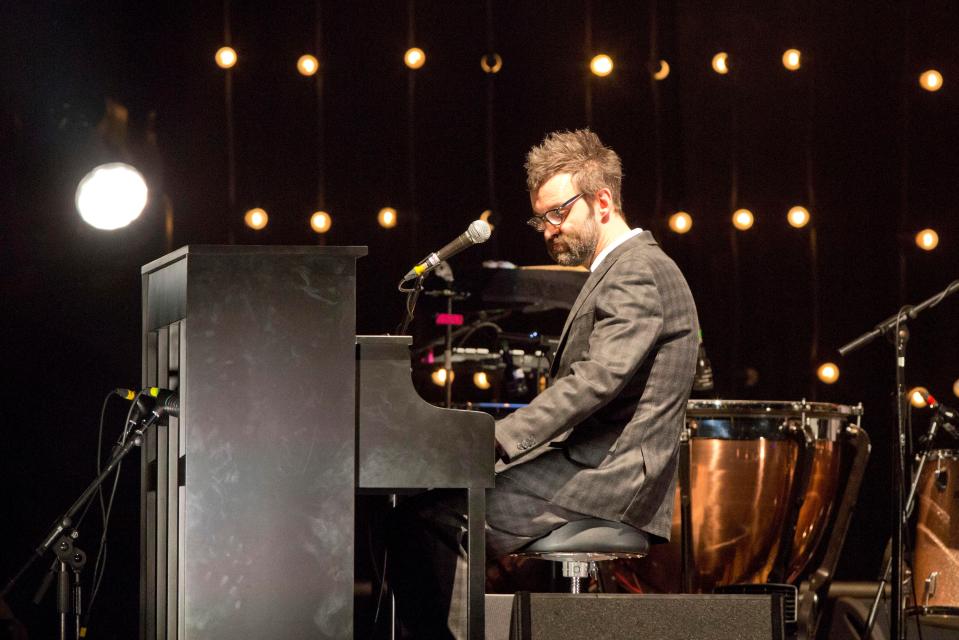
pixel 248 498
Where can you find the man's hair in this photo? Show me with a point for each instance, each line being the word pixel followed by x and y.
pixel 580 153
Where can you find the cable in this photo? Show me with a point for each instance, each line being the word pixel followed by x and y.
pixel 106 506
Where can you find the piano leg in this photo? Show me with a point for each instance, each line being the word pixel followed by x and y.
pixel 476 513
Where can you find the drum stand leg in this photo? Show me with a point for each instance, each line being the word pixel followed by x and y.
pixel 907 512
pixel 685 513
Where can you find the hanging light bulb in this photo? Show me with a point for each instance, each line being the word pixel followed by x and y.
pixel 798 217
pixel 439 377
pixel 930 80
pixel 680 222
pixel 917 397
pixel 828 372
pixel 481 380
pixel 256 218
pixel 225 57
pixel 386 217
pixel 791 59
pixel 743 219
pixel 927 239
pixel 663 72
pixel 307 65
pixel 414 58
pixel 321 221
pixel 601 65
pixel 491 63
pixel 721 63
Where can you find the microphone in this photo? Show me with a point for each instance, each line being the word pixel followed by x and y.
pixel 167 402
pixel 703 378
pixel 478 232
pixel 949 414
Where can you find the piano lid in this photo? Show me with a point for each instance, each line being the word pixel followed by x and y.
pixel 538 288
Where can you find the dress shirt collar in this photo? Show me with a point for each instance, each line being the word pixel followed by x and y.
pixel 632 233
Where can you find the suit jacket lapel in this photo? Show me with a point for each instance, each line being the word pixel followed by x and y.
pixel 645 237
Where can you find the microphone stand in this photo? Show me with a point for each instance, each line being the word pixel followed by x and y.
pixel 62 534
pixel 934 424
pixel 896 324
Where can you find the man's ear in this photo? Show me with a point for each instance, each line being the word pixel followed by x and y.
pixel 604 198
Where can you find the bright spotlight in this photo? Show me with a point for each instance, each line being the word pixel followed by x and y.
pixel 225 57
pixel 791 59
pixel 931 80
pixel 321 221
pixel 414 58
pixel 307 65
pixel 111 196
pixel 927 239
pixel 386 217
pixel 721 63
pixel 680 222
pixel 256 218
pixel 828 372
pixel 798 217
pixel 601 65
pixel 743 219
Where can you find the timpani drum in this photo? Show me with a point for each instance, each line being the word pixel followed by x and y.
pixel 763 483
pixel 936 557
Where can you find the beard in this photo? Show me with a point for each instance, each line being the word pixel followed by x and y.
pixel 574 249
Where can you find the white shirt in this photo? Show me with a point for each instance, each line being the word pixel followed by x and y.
pixel 612 245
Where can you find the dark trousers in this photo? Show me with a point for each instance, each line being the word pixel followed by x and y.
pixel 426 545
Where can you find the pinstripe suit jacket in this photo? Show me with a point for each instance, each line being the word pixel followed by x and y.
pixel 603 439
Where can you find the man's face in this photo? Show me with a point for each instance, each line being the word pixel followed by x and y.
pixel 573 243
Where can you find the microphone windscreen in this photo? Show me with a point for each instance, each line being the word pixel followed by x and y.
pixel 479 231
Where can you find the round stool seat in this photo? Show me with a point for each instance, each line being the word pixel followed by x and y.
pixel 589 540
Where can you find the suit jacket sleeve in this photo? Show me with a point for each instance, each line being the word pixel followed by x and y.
pixel 623 325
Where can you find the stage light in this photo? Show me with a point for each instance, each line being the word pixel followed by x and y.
pixel 256 218
pixel 743 219
pixel 721 63
pixel 481 380
pixel 791 59
pixel 439 377
pixel 917 397
pixel 225 57
pixel 414 58
pixel 321 221
pixel 955 388
pixel 927 239
pixel 680 222
pixel 307 65
pixel 387 217
pixel 601 65
pixel 798 217
pixel 111 196
pixel 491 63
pixel 930 80
pixel 663 70
pixel 828 372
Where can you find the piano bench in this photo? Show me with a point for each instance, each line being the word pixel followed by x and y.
pixel 580 544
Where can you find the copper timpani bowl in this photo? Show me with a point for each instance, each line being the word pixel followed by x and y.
pixel 744 461
pixel 936 558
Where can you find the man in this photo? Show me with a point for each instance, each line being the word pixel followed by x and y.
pixel 602 441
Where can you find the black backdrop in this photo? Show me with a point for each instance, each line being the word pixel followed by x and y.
pixel 881 155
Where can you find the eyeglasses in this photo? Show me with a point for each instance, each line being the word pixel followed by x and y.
pixel 554 216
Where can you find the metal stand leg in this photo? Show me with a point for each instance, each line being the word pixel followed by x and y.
pixel 476 613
